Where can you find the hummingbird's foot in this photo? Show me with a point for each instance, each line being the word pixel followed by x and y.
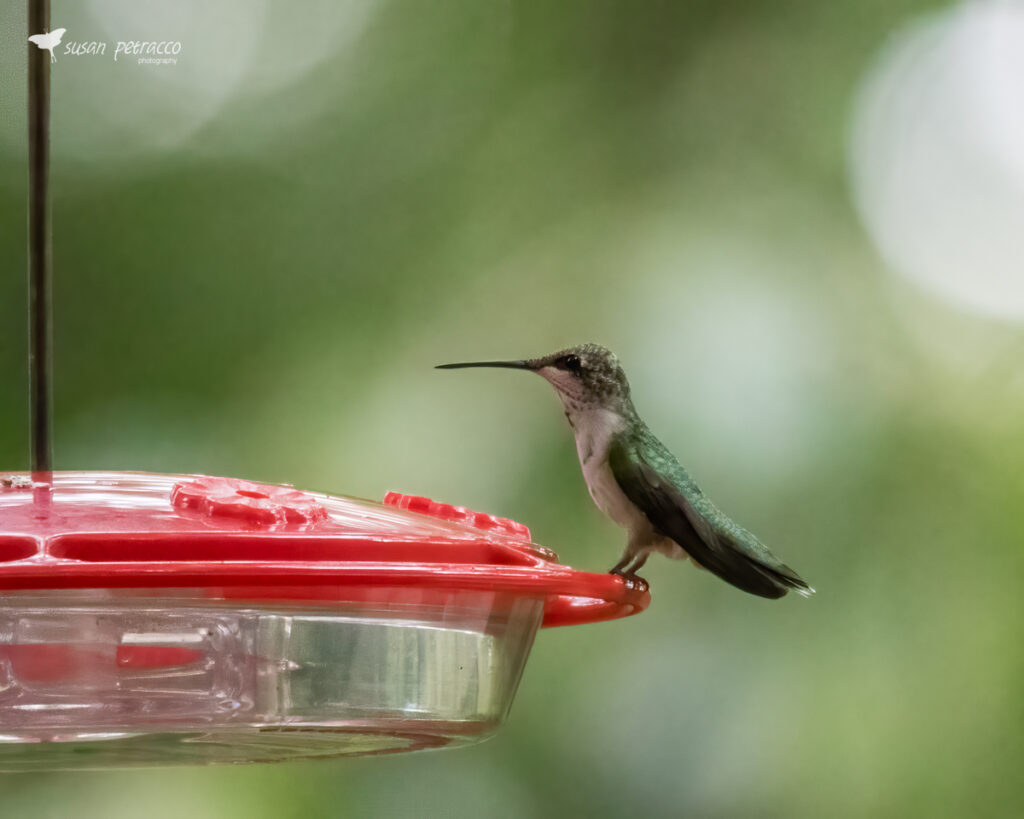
pixel 629 565
pixel 629 575
pixel 633 580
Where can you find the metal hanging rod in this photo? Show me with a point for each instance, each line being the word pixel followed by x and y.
pixel 40 256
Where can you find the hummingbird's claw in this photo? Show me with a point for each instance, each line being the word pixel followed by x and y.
pixel 635 581
pixel 632 579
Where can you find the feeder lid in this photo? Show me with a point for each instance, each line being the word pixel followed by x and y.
pixel 237 538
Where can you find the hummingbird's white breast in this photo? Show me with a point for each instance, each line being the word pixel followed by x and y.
pixel 594 428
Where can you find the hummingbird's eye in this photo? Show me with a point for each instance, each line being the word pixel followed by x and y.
pixel 571 363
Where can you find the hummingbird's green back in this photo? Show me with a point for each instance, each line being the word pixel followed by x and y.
pixel 652 478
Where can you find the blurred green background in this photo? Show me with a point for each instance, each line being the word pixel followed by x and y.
pixel 261 252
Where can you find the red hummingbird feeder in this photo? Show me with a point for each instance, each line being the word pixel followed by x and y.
pixel 148 619
pixel 169 619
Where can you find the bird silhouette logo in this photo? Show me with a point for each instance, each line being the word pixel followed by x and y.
pixel 48 41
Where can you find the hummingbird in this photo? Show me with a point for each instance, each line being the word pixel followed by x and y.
pixel 634 479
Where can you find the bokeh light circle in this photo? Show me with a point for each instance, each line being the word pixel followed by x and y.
pixel 937 156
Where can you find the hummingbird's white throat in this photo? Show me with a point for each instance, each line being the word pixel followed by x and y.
pixel 592 422
pixel 568 387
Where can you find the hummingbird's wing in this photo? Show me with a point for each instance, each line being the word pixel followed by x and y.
pixel 653 479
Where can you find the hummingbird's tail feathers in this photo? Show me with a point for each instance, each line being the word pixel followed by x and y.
pixel 741 559
pixel 798 584
pixel 783 576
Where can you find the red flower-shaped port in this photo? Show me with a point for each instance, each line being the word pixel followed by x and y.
pixel 245 500
pixel 457 514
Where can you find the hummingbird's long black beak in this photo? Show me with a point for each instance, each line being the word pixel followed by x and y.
pixel 509 365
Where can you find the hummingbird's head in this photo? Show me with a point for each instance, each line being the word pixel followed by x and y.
pixel 585 377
